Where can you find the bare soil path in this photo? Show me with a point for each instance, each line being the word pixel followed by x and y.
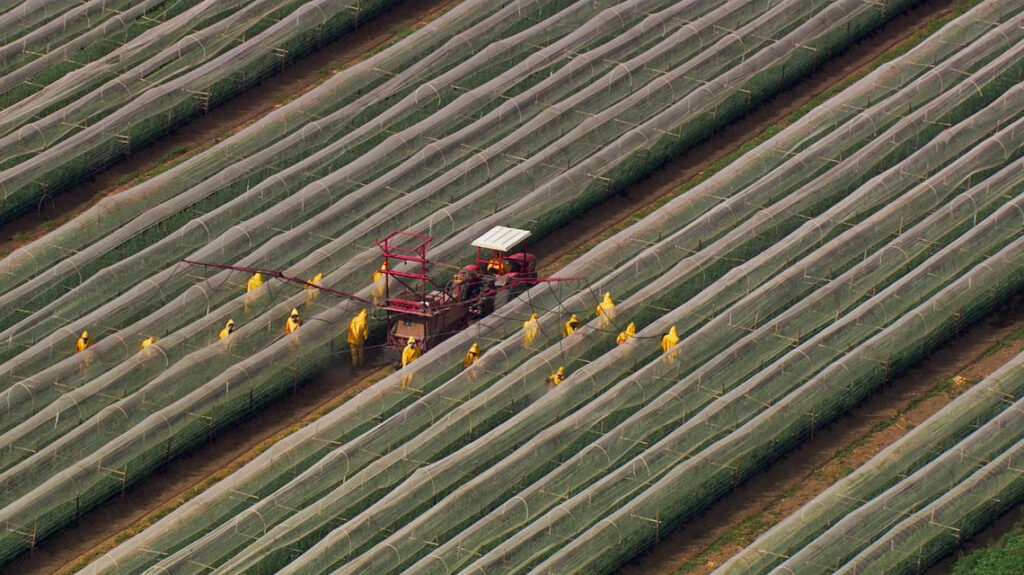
pixel 735 520
pixel 228 118
pixel 168 489
pixel 607 218
pixel 116 520
pixel 161 493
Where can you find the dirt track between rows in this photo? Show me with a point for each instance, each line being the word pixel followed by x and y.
pixel 805 471
pixel 884 417
pixel 227 119
pixel 665 180
pixel 738 518
pixel 165 490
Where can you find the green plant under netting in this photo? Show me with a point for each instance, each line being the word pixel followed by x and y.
pixel 892 211
pixel 1003 557
pixel 46 149
pixel 78 37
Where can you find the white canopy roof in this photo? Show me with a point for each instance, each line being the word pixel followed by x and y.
pixel 501 238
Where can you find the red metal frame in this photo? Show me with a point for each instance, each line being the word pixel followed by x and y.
pixel 408 304
pixel 436 306
pixel 482 263
pixel 277 274
pixel 411 298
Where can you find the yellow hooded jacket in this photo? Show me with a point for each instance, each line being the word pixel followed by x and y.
pixel 570 326
pixel 294 321
pixel 557 377
pixel 530 329
pixel 670 340
pixel 605 306
pixel 311 292
pixel 411 352
pixel 254 282
pixel 471 356
pixel 625 334
pixel 83 342
pixel 357 329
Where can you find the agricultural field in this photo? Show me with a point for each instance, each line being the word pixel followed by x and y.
pixel 778 326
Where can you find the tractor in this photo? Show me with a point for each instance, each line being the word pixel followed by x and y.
pixel 417 307
pixel 432 315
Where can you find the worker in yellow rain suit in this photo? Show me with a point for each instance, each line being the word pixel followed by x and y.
pixel 556 378
pixel 471 356
pixel 293 323
pixel 411 351
pixel 409 355
pixel 625 334
pixel 357 334
pixel 379 287
pixel 530 329
pixel 497 265
pixel 254 282
pixel 229 328
pixel 147 342
pixel 669 342
pixel 311 291
pixel 605 310
pixel 83 342
pixel 570 326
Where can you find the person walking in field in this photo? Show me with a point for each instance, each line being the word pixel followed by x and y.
pixel 358 331
pixel 254 282
pixel 556 378
pixel 411 351
pixel 229 328
pixel 250 286
pixel 380 287
pixel 530 329
pixel 409 355
pixel 605 311
pixel 471 356
pixel 625 334
pixel 83 342
pixel 570 326
pixel 311 292
pixel 669 342
pixel 293 323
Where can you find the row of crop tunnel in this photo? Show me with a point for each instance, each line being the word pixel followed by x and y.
pixel 916 500
pixel 801 277
pixel 85 84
